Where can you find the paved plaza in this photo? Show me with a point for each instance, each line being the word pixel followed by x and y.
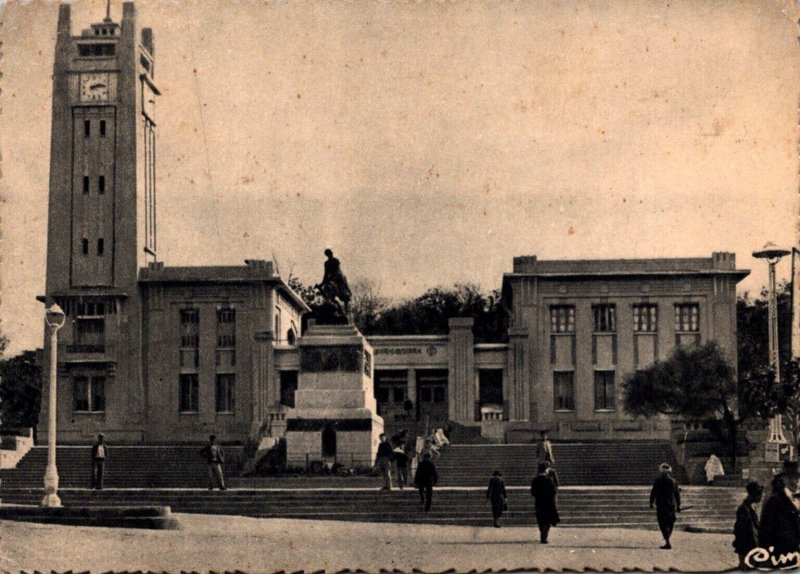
pixel 220 543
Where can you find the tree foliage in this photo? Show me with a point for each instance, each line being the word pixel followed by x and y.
pixel 426 314
pixel 20 390
pixel 696 382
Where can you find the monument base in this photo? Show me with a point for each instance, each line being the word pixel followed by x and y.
pixel 335 416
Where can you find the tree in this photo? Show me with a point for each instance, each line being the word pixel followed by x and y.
pixel 695 382
pixel 20 390
pixel 367 304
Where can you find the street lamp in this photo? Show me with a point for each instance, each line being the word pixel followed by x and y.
pixel 54 317
pixel 772 253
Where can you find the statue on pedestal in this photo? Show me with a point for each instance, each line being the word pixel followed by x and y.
pixel 334 288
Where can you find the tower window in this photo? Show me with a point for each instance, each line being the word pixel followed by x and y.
pixel 102 128
pixel 85 184
pixel 85 246
pixel 87 128
pixel 100 246
pixel 101 184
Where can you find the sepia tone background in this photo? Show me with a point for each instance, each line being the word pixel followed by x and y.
pixel 428 143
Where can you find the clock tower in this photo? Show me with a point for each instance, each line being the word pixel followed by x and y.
pixel 101 217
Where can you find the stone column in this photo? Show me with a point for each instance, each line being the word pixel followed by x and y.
pixel 519 396
pixel 461 371
pixel 263 378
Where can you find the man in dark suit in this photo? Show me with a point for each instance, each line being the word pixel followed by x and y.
pixel 780 518
pixel 496 495
pixel 383 460
pixel 745 531
pixel 425 479
pixel 543 491
pixel 667 497
pixel 99 454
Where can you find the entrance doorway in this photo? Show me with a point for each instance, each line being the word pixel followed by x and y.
pixel 432 397
pixel 328 441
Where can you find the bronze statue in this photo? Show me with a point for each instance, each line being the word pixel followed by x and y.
pixel 334 287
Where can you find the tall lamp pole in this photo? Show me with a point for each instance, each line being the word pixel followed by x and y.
pixel 772 253
pixel 54 317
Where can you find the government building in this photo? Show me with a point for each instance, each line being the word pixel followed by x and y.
pixel 154 354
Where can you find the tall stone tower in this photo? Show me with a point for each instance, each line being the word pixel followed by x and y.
pixel 102 220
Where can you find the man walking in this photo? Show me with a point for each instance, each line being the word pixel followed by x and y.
pixel 425 479
pixel 745 531
pixel 780 518
pixel 99 454
pixel 667 497
pixel 544 450
pixel 496 495
pixel 544 494
pixel 401 463
pixel 215 458
pixel 383 461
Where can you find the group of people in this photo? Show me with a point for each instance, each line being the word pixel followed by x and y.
pixel 212 452
pixel 778 528
pixel 396 456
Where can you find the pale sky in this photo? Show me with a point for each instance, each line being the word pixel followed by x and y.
pixel 428 143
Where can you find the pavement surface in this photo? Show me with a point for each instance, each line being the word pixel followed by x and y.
pixel 228 543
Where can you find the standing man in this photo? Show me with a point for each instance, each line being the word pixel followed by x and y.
pixel 544 450
pixel 383 461
pixel 745 531
pixel 667 497
pixel 780 518
pixel 401 462
pixel 425 479
pixel 215 458
pixel 544 494
pixel 496 494
pixel 99 454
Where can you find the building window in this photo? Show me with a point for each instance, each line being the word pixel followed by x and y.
pixel 85 246
pixel 101 184
pixel 645 318
pixel 188 393
pixel 90 326
pixel 604 390
pixel 89 394
pixel 85 184
pixel 87 128
pixel 100 246
pixel 277 331
pixel 562 319
pixel 605 318
pixel 288 387
pixel 102 128
pixel 226 338
pixel 226 392
pixel 564 390
pixel 190 338
pixel 687 318
pixel 490 387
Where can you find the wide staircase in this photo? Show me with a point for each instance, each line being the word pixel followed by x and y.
pixel 589 463
pixel 126 466
pixel 176 476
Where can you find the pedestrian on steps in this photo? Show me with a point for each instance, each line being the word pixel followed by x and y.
pixel 215 458
pixel 496 494
pixel 401 464
pixel 425 479
pixel 745 531
pixel 544 493
pixel 667 498
pixel 99 454
pixel 383 460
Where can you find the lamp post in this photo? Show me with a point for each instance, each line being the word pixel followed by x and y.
pixel 54 317
pixel 772 253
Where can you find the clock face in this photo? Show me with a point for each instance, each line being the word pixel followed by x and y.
pixel 94 87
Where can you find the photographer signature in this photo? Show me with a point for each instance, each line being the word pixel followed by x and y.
pixel 764 559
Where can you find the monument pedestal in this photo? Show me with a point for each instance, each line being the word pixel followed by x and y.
pixel 335 415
